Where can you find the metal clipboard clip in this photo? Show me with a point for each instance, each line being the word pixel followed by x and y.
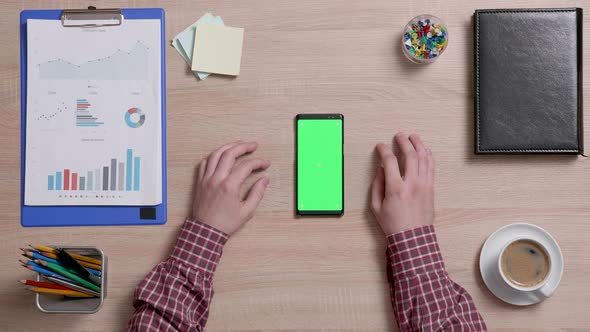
pixel 91 17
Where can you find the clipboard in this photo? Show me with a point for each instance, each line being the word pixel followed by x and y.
pixel 43 216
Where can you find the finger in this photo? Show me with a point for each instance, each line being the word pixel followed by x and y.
pixel 421 153
pixel 431 167
pixel 408 155
pixel 245 168
pixel 214 157
pixel 378 189
pixel 228 158
pixel 390 167
pixel 254 196
pixel 201 169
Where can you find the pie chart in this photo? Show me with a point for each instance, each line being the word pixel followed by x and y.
pixel 134 117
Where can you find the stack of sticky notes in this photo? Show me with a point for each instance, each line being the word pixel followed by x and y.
pixel 210 47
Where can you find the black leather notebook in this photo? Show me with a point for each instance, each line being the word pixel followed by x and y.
pixel 528 81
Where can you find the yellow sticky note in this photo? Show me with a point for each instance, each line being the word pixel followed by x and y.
pixel 218 49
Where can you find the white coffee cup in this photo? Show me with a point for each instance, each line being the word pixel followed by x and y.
pixel 491 268
pixel 543 288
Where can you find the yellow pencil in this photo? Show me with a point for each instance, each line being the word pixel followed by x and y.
pixel 50 250
pixel 72 293
pixel 90 265
pixel 44 248
pixel 48 254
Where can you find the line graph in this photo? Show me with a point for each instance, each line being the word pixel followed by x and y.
pixel 121 65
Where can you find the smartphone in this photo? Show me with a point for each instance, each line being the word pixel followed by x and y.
pixel 320 164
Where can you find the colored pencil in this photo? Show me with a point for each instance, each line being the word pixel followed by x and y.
pixel 43 248
pixel 76 256
pixel 71 264
pixel 72 286
pixel 43 271
pixel 29 262
pixel 46 254
pixel 90 265
pixel 58 269
pixel 43 284
pixel 36 255
pixel 87 259
pixel 72 293
pixel 93 271
pixel 83 263
pixel 33 264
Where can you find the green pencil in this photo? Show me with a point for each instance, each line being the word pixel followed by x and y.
pixel 68 274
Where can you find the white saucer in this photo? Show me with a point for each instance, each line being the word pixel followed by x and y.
pixel 488 262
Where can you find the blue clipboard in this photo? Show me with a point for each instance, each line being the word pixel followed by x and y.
pixel 42 216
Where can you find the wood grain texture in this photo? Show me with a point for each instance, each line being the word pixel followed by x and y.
pixel 285 274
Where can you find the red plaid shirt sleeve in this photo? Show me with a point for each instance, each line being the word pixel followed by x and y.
pixel 424 298
pixel 176 294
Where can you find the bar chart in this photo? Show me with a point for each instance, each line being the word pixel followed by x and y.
pixel 83 116
pixel 115 175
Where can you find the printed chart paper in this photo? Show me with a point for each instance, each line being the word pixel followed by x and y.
pixel 93 114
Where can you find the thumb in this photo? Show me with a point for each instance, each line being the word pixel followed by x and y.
pixel 254 196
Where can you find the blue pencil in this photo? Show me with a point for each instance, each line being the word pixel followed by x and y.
pixel 34 267
pixel 93 271
pixel 36 255
pixel 30 263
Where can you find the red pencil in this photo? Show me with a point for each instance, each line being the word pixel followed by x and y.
pixel 43 284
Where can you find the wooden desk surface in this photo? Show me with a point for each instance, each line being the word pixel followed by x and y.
pixel 279 273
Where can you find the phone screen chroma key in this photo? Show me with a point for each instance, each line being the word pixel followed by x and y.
pixel 320 164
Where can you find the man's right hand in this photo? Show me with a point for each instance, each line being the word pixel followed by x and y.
pixel 402 193
pixel 217 194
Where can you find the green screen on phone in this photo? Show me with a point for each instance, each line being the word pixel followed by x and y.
pixel 319 165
